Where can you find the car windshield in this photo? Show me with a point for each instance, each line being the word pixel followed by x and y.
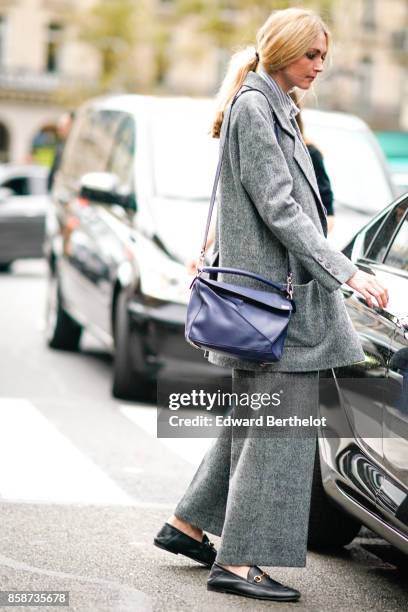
pixel 355 171
pixel 185 157
pixel 184 154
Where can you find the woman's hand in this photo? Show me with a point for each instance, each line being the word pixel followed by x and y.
pixel 369 286
pixel 192 266
pixel 330 223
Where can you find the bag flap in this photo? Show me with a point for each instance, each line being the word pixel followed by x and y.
pixel 266 298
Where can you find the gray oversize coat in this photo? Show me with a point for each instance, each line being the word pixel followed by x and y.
pixel 268 202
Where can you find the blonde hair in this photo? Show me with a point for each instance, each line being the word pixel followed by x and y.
pixel 284 37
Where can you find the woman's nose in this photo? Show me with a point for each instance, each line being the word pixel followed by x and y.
pixel 319 65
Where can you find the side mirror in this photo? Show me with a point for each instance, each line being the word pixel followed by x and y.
pixel 105 188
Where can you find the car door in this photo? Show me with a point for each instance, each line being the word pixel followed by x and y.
pixel 109 224
pixel 393 497
pixel 83 272
pixel 362 385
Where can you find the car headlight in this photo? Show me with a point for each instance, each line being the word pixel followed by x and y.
pixel 161 277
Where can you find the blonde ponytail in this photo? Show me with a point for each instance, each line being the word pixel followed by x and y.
pixel 282 39
pixel 240 64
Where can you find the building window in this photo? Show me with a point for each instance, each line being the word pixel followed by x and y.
pixel 368 17
pixel 54 43
pixel 4 143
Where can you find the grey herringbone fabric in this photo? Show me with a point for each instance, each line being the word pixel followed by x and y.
pixel 254 490
pixel 269 200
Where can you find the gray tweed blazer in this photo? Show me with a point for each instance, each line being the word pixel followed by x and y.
pixel 269 204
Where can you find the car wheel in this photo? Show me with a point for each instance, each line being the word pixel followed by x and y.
pixel 5 266
pixel 128 383
pixel 62 331
pixel 329 526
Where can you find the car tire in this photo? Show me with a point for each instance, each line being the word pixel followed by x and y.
pixel 128 383
pixel 5 267
pixel 63 333
pixel 329 526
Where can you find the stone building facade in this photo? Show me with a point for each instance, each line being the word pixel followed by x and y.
pixel 42 62
pixel 39 59
pixel 369 76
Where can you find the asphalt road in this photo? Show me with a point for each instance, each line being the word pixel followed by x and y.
pixel 85 485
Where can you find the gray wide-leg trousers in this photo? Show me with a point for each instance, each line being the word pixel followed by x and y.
pixel 253 485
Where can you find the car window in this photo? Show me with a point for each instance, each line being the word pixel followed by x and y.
pixel 90 143
pixel 372 231
pixel 20 185
pixel 122 155
pixel 365 236
pixel 184 154
pixel 381 241
pixel 397 256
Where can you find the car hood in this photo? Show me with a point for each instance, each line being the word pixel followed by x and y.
pixel 180 225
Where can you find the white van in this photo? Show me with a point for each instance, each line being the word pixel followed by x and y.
pixel 355 163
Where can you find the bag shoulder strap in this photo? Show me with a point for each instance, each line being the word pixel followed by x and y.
pixel 220 160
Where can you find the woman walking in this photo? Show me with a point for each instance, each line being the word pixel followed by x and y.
pixel 254 490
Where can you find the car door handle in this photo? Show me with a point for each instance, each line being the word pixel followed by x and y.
pixel 349 293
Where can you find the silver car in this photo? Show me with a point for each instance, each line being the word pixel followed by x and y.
pixel 23 204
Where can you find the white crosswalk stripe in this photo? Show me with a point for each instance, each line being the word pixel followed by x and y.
pixel 39 463
pixel 191 450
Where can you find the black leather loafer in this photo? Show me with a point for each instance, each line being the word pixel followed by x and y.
pixel 175 541
pixel 258 584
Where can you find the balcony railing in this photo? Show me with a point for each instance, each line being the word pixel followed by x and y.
pixel 21 79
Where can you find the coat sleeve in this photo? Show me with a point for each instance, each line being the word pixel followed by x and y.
pixel 266 178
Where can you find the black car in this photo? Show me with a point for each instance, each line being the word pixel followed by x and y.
pixel 362 475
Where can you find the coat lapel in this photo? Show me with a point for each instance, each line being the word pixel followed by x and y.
pixel 300 154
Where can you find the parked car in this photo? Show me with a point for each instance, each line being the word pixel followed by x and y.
pixel 361 475
pixel 23 203
pixel 128 210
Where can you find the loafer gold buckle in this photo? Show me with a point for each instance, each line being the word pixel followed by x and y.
pixel 260 576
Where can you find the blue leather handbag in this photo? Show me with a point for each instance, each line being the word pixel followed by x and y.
pixel 238 321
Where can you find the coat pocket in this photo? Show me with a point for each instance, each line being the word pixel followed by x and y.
pixel 307 324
